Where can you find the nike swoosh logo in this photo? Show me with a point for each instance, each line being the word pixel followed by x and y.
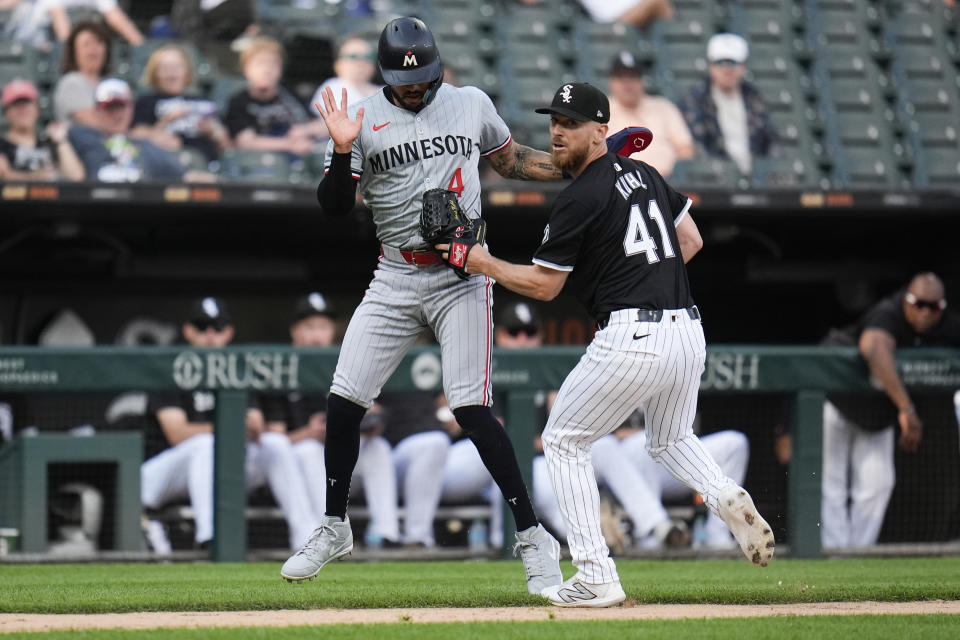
pixel 377 127
pixel 636 337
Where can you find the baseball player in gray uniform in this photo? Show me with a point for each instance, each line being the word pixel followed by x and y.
pixel 415 135
pixel 622 236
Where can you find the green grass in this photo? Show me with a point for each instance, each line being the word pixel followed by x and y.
pixel 258 586
pixel 780 628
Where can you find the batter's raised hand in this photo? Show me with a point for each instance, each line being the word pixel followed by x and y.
pixel 342 129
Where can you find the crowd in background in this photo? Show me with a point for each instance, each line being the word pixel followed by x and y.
pixel 164 129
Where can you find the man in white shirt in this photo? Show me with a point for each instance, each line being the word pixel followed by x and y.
pixel 726 114
pixel 630 105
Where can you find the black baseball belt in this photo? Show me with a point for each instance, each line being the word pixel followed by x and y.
pixel 647 315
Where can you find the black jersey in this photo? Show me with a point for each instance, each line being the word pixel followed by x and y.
pixel 614 227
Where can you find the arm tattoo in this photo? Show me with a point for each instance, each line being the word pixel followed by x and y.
pixel 523 163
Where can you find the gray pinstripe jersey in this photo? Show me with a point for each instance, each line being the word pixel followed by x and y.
pixel 400 154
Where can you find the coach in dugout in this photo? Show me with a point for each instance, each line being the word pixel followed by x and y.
pixel 858 429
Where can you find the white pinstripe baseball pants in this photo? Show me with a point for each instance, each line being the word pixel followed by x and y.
pixel 629 364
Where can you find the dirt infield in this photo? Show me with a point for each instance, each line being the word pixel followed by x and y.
pixel 11 622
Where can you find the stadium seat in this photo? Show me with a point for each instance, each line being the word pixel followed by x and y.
pixel 865 168
pixel 708 173
pixel 915 96
pixel 223 89
pixel 531 60
pixel 193 159
pixel 786 94
pixel 771 22
pixel 938 168
pixel 847 97
pixel 933 129
pixel 914 28
pixel 695 30
pixel 256 166
pixel 916 62
pixel 789 171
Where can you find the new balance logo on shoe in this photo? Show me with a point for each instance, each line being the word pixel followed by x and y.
pixel 577 592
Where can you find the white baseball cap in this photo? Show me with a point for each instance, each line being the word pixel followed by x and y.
pixel 113 90
pixel 727 46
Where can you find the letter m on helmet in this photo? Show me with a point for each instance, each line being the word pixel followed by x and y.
pixel 409 60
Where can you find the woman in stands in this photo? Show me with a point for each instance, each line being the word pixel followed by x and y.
pixel 86 59
pixel 170 118
pixel 25 154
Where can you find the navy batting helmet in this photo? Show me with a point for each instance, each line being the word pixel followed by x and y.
pixel 407 54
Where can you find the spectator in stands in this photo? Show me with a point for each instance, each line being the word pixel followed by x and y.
pixel 171 119
pixel 353 70
pixel 265 116
pixel 86 60
pixel 420 447
pixel 180 444
pixel 858 430
pixel 727 114
pixel 201 21
pixel 32 19
pixel 25 155
pixel 304 417
pixel 630 105
pixel 640 13
pixel 108 152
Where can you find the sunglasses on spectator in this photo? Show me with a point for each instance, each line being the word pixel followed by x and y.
pixel 368 57
pixel 203 325
pixel 932 305
pixel 725 63
pixel 527 331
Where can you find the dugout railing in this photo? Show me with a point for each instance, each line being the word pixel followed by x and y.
pixel 803 374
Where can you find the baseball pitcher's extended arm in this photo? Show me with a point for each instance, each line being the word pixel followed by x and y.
pixel 689 236
pixel 523 163
pixel 531 280
pixel 877 347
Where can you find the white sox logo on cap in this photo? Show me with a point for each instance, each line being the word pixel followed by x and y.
pixel 565 94
pixel 410 60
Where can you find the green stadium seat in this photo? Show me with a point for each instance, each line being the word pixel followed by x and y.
pixel 917 96
pixel 193 159
pixel 708 173
pixel 865 168
pixel 915 62
pixel 788 172
pixel 862 131
pixel 223 89
pixel 532 60
pixel 846 96
pixel 759 24
pixel 256 166
pixel 478 16
pixel 679 62
pixel 933 129
pixel 616 35
pixel 924 29
pixel 684 30
pixel 939 168
pixel 785 94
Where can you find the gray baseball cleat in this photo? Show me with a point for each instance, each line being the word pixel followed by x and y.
pixel 577 593
pixel 750 529
pixel 540 553
pixel 331 540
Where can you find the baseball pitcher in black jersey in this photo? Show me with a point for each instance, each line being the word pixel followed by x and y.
pixel 622 236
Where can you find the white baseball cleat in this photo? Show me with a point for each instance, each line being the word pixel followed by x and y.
pixel 577 593
pixel 746 524
pixel 331 540
pixel 540 553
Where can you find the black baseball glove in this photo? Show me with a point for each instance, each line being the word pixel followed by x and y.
pixel 442 221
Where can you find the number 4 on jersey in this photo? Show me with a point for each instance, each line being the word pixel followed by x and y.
pixel 638 238
pixel 456 183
